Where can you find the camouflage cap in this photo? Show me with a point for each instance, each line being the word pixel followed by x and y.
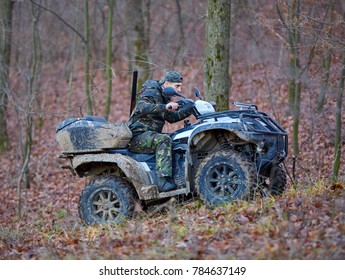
pixel 171 76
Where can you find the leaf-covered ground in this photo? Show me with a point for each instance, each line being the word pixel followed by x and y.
pixel 303 224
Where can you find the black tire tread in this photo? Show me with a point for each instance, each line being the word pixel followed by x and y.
pixel 278 184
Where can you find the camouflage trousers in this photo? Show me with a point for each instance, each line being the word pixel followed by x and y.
pixel 158 143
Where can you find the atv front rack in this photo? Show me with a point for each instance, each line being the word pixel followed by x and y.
pixel 273 127
pixel 245 106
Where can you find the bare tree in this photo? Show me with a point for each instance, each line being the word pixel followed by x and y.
pixel 182 41
pixel 294 88
pixel 217 78
pixel 338 139
pixel 88 87
pixel 33 84
pixel 326 63
pixel 6 7
pixel 108 70
pixel 71 63
pixel 137 40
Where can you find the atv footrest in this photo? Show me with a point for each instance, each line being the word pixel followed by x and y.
pixel 151 192
pixel 172 193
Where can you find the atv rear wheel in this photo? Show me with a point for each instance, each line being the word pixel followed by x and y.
pixel 275 182
pixel 224 176
pixel 106 200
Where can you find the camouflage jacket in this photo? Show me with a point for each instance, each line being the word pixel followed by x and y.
pixel 150 114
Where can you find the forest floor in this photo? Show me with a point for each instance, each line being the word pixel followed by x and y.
pixel 306 222
pixel 303 224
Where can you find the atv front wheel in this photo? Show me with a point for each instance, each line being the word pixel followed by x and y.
pixel 225 176
pixel 106 200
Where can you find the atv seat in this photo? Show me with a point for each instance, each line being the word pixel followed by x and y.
pixel 136 156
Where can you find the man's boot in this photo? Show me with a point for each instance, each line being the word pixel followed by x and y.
pixel 166 184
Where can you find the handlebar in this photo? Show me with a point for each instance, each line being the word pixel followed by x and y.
pixel 182 103
pixel 185 102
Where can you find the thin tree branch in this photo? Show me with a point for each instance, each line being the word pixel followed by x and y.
pixel 60 18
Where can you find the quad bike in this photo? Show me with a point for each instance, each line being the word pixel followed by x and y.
pixel 222 156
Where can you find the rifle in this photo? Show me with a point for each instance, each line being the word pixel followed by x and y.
pixel 134 91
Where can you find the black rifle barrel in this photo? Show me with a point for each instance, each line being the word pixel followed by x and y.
pixel 134 91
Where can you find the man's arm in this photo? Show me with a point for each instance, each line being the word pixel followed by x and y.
pixel 148 105
pixel 175 116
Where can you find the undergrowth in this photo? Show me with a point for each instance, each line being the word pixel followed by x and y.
pixel 304 223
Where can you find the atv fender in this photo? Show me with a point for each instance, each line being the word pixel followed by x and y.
pixel 234 128
pixel 204 133
pixel 132 169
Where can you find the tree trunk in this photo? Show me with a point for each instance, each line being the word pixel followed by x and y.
pixel 108 70
pixel 33 89
pixel 137 41
pixel 88 91
pixel 217 78
pixel 294 64
pixel 71 64
pixel 179 56
pixel 295 72
pixel 338 140
pixel 6 7
pixel 326 63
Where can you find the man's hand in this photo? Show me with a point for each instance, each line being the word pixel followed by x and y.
pixel 172 106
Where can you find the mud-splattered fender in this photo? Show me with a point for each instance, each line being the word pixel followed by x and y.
pixel 133 170
pixel 233 127
pixel 204 131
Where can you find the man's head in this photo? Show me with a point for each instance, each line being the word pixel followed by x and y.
pixel 172 79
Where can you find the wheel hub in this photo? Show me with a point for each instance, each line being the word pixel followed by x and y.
pixel 224 180
pixel 106 205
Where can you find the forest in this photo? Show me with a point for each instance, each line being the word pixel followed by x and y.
pixel 62 59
